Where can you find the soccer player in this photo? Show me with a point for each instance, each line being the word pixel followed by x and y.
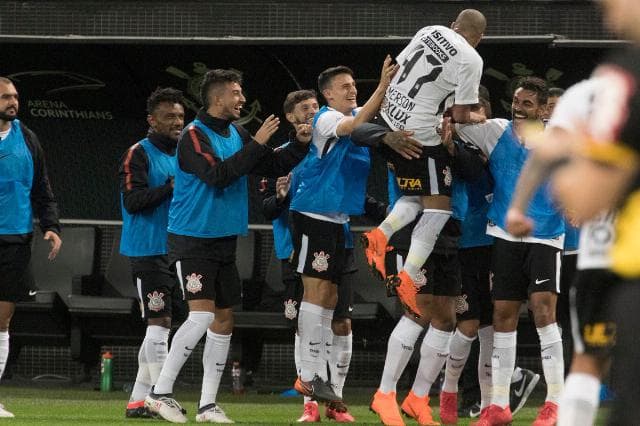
pixel 522 268
pixel 208 211
pixel 330 186
pixel 437 62
pixel 554 96
pixel 593 287
pixel 25 192
pixel 146 185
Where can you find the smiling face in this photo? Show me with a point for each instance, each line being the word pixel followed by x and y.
pixel 341 94
pixel 303 111
pixel 525 105
pixel 9 104
pixel 167 119
pixel 227 100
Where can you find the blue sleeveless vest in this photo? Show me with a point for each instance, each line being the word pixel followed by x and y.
pixel 145 233
pixel 474 225
pixel 203 211
pixel 16 181
pixel 336 182
pixel 506 162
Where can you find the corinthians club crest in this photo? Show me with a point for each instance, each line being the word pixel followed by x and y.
pixel 462 305
pixel 194 284
pixel 421 278
pixel 321 261
pixel 290 311
pixel 156 303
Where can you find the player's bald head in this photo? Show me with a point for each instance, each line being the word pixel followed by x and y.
pixel 471 24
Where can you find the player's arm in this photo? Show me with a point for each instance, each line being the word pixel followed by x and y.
pixel 137 196
pixel 371 107
pixel 275 196
pixel 466 92
pixel 401 141
pixel 43 201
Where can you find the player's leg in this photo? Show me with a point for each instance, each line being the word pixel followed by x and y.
pixel 318 257
pixel 154 284
pixel 544 285
pixel 594 336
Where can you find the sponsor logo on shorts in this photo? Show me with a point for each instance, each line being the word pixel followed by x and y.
pixel 290 311
pixel 420 278
pixel 320 262
pixel 462 305
pixel 194 284
pixel 410 183
pixel 447 176
pixel 156 303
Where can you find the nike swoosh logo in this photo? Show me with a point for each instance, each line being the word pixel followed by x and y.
pixel 217 363
pixel 455 359
pixel 342 366
pixel 520 391
pixel 538 282
pixel 188 348
pixel 327 344
pixel 313 343
pixel 31 292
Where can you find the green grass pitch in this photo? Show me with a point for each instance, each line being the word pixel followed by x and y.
pixel 73 406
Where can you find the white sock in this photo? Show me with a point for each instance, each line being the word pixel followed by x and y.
pixel 579 401
pixel 340 360
pixel 423 239
pixel 327 343
pixel 517 375
pixel 399 351
pixel 552 360
pixel 502 364
pixel 310 332
pixel 183 343
pixel 296 354
pixel 458 353
pixel 485 335
pixel 433 354
pixel 156 348
pixel 4 350
pixel 403 213
pixel 214 358
pixel 142 386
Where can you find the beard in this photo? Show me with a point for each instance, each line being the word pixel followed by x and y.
pixel 6 117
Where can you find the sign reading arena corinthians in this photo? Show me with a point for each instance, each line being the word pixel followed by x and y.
pixel 87 102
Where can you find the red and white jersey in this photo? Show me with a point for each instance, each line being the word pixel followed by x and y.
pixel 436 63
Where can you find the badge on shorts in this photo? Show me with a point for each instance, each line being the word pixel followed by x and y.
pixel 462 305
pixel 321 261
pixel 156 303
pixel 193 283
pixel 290 311
pixel 421 278
pixel 447 176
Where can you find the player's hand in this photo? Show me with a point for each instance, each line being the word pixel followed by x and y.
pixel 402 143
pixel 268 128
pixel 446 136
pixel 283 184
pixel 55 242
pixel 389 69
pixel 303 132
pixel 518 224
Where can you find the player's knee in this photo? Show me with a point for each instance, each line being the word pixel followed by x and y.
pixel 544 313
pixel 341 326
pixel 161 322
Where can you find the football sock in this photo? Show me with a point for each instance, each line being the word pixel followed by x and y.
pixel 433 354
pixel 214 358
pixel 403 213
pixel 552 360
pixel 399 350
pixel 310 332
pixel 579 401
pixel 182 344
pixel 502 365
pixel 423 239
pixel 458 353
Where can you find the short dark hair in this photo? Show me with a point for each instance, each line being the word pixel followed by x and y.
pixel 164 94
pixel 537 85
pixel 325 77
pixel 556 92
pixel 294 98
pixel 217 77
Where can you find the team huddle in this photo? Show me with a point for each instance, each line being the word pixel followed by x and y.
pixel 480 218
